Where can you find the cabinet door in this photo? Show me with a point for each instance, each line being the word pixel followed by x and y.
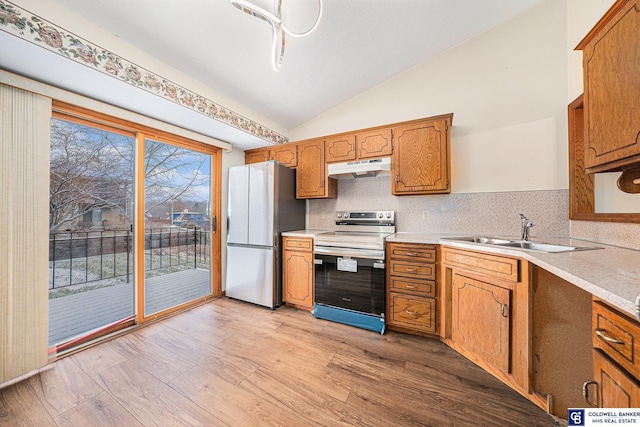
pixel 421 158
pixel 256 156
pixel 287 154
pixel 480 320
pixel 616 389
pixel 375 143
pixel 297 286
pixel 611 89
pixel 311 173
pixel 341 148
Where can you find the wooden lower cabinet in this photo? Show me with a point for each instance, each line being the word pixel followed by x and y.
pixel 413 312
pixel 480 314
pixel 616 363
pixel 411 288
pixel 486 312
pixel 615 387
pixel 297 272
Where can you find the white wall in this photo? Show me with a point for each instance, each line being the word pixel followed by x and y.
pixel 507 89
pixel 233 158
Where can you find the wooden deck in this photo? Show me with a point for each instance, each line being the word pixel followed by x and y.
pixel 77 314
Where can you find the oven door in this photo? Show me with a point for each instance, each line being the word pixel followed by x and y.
pixel 347 280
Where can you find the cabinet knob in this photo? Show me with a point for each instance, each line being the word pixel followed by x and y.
pixel 504 310
pixel 585 392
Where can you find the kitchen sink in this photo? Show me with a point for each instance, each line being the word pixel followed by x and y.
pixel 521 244
pixel 483 240
pixel 547 247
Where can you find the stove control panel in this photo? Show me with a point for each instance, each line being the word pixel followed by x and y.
pixel 365 217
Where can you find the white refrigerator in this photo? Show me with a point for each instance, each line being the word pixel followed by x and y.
pixel 261 205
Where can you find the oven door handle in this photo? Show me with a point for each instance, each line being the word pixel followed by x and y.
pixel 347 252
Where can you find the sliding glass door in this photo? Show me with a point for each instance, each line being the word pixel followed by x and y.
pixel 131 225
pixel 91 268
pixel 177 226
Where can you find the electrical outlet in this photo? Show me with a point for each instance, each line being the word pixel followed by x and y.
pixel 323 215
pixel 425 214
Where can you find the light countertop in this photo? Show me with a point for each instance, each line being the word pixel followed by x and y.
pixel 312 232
pixel 611 273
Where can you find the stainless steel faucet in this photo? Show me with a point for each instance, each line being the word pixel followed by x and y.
pixel 526 225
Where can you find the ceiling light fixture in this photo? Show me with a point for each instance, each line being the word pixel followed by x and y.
pixel 277 25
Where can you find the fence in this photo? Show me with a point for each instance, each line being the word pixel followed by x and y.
pixel 84 257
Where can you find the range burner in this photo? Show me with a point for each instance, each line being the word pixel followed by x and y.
pixel 359 230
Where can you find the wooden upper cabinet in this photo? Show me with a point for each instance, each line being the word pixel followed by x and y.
pixel 611 65
pixel 421 159
pixel 311 173
pixel 287 154
pixel 340 148
pixel 256 155
pixel 375 143
pixel 361 145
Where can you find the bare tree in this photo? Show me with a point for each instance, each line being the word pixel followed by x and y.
pixel 88 171
pixel 171 174
pixel 92 169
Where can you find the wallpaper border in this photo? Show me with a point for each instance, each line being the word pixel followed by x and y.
pixel 40 32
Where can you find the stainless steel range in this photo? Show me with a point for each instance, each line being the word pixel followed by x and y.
pixel 350 269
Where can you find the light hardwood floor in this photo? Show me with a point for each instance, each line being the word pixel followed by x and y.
pixel 233 363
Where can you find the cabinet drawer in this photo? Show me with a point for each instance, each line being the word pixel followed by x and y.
pixel 299 244
pixel 412 269
pixel 486 264
pixel 423 253
pixel 415 312
pixel 617 336
pixel 424 287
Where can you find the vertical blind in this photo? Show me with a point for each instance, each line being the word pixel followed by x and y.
pixel 24 180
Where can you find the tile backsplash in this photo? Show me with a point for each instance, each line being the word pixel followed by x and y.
pixel 477 213
pixel 620 234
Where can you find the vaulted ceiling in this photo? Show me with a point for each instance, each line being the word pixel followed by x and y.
pixel 358 44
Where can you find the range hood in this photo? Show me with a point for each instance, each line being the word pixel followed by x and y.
pixel 360 168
